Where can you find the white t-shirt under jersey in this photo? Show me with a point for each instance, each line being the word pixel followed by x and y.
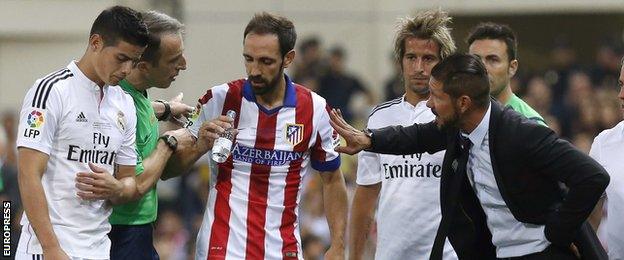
pixel 63 117
pixel 409 204
pixel 607 149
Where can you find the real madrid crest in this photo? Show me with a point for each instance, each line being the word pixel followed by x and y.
pixel 121 121
pixel 294 133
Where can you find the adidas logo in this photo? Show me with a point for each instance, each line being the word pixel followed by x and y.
pixel 81 118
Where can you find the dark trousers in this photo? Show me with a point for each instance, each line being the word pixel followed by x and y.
pixel 132 242
pixel 551 252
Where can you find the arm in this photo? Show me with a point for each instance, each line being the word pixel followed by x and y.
pixel 177 109
pixel 335 202
pixel 584 177
pixel 126 176
pixel 31 165
pixel 416 138
pixel 596 215
pixel 362 216
pixel 184 157
pixel 101 185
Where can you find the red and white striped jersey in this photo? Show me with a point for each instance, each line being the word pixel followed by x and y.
pixel 252 209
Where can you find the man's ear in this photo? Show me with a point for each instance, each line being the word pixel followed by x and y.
pixel 288 58
pixel 513 67
pixel 96 43
pixel 463 103
pixel 143 66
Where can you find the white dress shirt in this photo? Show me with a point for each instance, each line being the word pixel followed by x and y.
pixel 511 237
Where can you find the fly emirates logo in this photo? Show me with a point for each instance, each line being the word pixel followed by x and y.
pixel 101 156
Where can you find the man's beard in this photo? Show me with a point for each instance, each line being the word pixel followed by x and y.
pixel 269 86
pixel 446 124
pixel 419 90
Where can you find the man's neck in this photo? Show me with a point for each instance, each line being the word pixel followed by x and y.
pixel 414 98
pixel 137 81
pixel 472 119
pixel 275 98
pixel 505 95
pixel 85 65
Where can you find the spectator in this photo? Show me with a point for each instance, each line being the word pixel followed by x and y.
pixel 338 86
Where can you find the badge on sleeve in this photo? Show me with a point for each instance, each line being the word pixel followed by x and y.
pixel 34 124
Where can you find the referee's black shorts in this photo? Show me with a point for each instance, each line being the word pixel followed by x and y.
pixel 132 242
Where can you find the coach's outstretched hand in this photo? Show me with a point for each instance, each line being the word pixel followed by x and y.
pixel 356 139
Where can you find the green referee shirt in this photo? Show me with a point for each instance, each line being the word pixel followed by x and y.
pixel 524 109
pixel 142 211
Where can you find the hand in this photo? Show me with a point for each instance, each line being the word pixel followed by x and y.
pixel 55 253
pixel 179 109
pixel 98 184
pixel 209 131
pixel 575 251
pixel 183 136
pixel 335 253
pixel 356 139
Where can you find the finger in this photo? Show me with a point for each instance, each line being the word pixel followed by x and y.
pixel 225 118
pixel 344 149
pixel 209 136
pixel 223 125
pixel 339 128
pixel 85 187
pixel 336 117
pixel 85 180
pixel 95 168
pixel 215 128
pixel 84 174
pixel 90 196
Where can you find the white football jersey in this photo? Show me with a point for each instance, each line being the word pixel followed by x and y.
pixel 74 121
pixel 408 214
pixel 252 209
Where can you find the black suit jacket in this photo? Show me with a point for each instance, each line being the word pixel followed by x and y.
pixel 528 161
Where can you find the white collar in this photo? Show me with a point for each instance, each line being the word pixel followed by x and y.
pixel 478 134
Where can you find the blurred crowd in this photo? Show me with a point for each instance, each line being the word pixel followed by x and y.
pixel 577 100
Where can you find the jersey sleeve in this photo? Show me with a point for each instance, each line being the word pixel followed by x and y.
pixel 368 168
pixel 127 154
pixel 39 117
pixel 324 158
pixel 204 111
pixel 594 152
pixel 369 163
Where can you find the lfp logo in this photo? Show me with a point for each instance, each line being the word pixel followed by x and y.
pixel 35 119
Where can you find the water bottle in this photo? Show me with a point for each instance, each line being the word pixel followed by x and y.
pixel 223 145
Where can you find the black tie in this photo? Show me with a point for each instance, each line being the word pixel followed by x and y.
pixel 459 172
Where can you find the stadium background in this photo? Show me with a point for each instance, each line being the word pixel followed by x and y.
pixel 569 53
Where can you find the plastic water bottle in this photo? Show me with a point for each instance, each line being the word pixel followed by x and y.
pixel 223 145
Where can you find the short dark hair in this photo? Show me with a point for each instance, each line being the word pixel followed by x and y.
pixel 158 24
pixel 495 31
pixel 265 23
pixel 120 23
pixel 463 74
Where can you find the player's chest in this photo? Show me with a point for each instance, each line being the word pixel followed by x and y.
pixel 92 126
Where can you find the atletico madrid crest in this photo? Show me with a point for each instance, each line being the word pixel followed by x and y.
pixel 294 133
